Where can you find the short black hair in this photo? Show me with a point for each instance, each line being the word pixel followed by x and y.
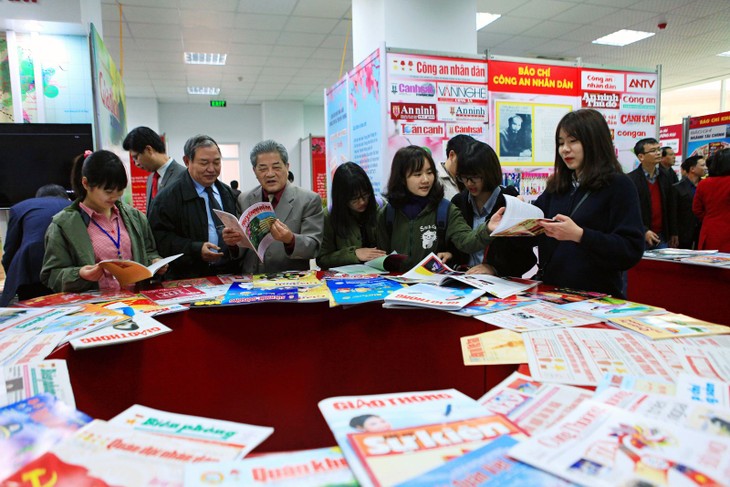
pixel 690 162
pixel 665 149
pixel 139 138
pixel 102 169
pixel 51 190
pixel 234 184
pixel 458 144
pixel 639 147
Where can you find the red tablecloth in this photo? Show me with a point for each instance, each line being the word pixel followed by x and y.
pixel 270 364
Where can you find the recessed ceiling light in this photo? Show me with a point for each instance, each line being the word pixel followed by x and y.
pixel 484 19
pixel 211 58
pixel 203 90
pixel 623 37
pixel 725 54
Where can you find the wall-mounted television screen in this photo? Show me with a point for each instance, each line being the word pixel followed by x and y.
pixel 35 154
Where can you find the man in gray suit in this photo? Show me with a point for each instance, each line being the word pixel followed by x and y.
pixel 297 230
pixel 147 150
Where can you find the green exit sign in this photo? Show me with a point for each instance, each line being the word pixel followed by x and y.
pixel 218 103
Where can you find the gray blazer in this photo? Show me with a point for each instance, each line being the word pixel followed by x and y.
pixel 172 173
pixel 301 211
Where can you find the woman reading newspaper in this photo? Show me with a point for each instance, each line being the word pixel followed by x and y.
pixel 597 233
pixel 349 226
pixel 95 227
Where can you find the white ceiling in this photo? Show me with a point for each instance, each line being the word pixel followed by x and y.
pixel 292 49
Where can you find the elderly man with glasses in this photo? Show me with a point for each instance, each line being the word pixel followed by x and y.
pixel 656 196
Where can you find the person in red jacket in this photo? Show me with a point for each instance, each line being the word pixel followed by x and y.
pixel 712 204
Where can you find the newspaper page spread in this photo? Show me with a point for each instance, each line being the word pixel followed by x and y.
pixel 711 363
pixel 493 347
pixel 18 382
pixel 538 316
pixel 698 389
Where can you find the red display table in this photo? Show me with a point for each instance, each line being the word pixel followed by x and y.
pixel 699 291
pixel 270 364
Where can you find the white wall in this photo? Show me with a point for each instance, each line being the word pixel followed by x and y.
pixel 143 112
pixel 314 120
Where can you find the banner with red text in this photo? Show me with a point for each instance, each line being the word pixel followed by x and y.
pixel 708 134
pixel 672 136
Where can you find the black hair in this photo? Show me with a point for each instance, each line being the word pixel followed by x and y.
pixel 406 161
pixel 290 177
pixel 102 169
pixel 458 144
pixel 599 157
pixel 350 181
pixel 665 149
pixel 479 159
pixel 639 147
pixel 141 137
pixel 234 184
pixel 719 163
pixel 51 190
pixel 690 162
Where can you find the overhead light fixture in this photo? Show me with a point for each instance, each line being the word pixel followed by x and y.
pixel 203 90
pixel 725 54
pixel 623 37
pixel 484 19
pixel 210 58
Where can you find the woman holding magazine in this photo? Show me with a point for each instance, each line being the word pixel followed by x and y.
pixel 480 172
pixel 95 227
pixel 349 225
pixel 418 220
pixel 597 232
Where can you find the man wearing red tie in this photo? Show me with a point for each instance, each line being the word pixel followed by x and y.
pixel 147 150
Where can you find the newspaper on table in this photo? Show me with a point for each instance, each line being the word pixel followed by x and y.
pixel 381 412
pixel 104 454
pixel 31 347
pixel 243 436
pixel 608 308
pixel 430 269
pixel 254 226
pixel 24 381
pixel 581 356
pixel 307 468
pixel 699 389
pixel 185 294
pixel 537 316
pixel 710 363
pixel 635 383
pixel 703 417
pixel 669 325
pixel 488 466
pixel 601 445
pixel 490 304
pixel 496 286
pixel 20 320
pixel 139 327
pixel 425 295
pixel 520 219
pixel 493 348
pixel 532 405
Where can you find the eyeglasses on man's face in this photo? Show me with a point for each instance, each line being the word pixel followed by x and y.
pixel 469 179
pixel 657 150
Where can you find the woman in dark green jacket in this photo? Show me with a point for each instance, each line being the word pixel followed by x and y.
pixel 349 227
pixel 97 226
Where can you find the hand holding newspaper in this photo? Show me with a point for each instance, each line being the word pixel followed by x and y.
pixel 519 219
pixel 129 271
pixel 254 226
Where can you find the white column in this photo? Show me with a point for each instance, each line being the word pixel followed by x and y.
pixel 283 121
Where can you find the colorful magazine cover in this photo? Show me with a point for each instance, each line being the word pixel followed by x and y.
pixel 382 265
pixel 626 382
pixel 496 286
pixel 601 445
pixel 245 437
pixel 493 348
pixel 393 456
pixel 538 316
pixel 487 466
pixel 28 428
pixel 175 295
pixel 608 308
pixel 101 454
pixel 425 295
pixel 490 304
pixel 242 293
pixel 530 404
pixel 286 279
pixel 358 290
pixel 138 327
pixel 382 412
pixel 560 295
pixel 321 467
pixel 12 317
pixel 430 269
pixel 670 325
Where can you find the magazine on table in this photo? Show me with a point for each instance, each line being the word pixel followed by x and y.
pixel 286 279
pixel 537 316
pixel 28 347
pixel 66 299
pixel 703 390
pixel 143 304
pixel 669 325
pixel 493 348
pixel 382 265
pixel 425 295
pixel 138 327
pixel 489 304
pixel 358 290
pixel 104 454
pixel 31 426
pixel 128 271
pixel 530 404
pixel 19 382
pixel 397 455
pixel 635 383
pixel 560 295
pixel 381 412
pixel 430 269
pixel 245 437
pixel 608 308
pixel 710 363
pixel 20 320
pixel 254 226
pixel 321 467
pixel 184 294
pixel 496 286
pixel 487 466
pixel 90 318
pixel 601 445
pixel 520 219
pixel 242 293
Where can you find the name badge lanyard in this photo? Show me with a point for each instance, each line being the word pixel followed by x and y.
pixel 118 242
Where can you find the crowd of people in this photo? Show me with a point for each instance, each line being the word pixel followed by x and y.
pixel 598 220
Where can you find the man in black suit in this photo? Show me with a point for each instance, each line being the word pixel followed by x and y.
pixel 147 150
pixel 656 196
pixel 694 169
pixel 667 163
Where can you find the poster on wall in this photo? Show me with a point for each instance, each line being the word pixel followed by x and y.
pixel 319 167
pixel 365 117
pixel 26 73
pixel 708 134
pixel 111 111
pixel 337 128
pixel 6 95
pixel 628 101
pixel 671 136
pixel 434 98
pixel 527 102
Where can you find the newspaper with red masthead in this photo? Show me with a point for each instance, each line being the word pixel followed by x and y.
pixel 601 445
pixel 382 412
pixel 254 226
